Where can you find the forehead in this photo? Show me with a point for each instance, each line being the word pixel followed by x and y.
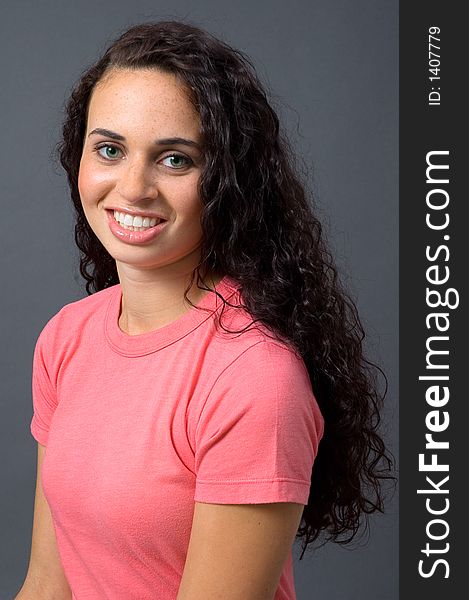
pixel 142 98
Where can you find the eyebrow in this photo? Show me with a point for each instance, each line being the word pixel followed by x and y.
pixel 162 142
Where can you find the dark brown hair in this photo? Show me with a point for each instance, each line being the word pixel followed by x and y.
pixel 259 228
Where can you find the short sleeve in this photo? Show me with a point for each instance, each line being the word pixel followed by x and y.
pixel 258 433
pixel 43 390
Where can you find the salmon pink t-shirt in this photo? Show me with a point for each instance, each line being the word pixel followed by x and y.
pixel 138 428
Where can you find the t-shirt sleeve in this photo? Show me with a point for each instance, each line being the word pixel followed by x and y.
pixel 258 432
pixel 43 387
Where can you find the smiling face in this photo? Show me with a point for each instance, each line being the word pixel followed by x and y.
pixel 142 156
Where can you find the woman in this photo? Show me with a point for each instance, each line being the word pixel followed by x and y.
pixel 210 394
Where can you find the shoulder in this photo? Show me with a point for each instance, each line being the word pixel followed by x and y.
pixel 256 356
pixel 256 371
pixel 264 373
pixel 239 338
pixel 245 352
pixel 66 323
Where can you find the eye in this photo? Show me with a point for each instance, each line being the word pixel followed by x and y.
pixel 111 147
pixel 180 160
pixel 177 161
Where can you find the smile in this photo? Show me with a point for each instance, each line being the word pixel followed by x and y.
pixel 123 227
pixel 135 223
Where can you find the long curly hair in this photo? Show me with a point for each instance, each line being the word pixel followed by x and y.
pixel 259 229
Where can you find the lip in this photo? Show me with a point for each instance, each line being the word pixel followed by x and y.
pixel 133 237
pixel 136 213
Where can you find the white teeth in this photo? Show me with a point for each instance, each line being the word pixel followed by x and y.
pixel 134 223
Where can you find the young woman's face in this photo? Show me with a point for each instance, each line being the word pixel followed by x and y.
pixel 147 163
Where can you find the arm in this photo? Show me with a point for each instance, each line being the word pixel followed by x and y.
pixel 45 579
pixel 255 439
pixel 237 551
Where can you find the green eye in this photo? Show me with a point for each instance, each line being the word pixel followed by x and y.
pixel 111 151
pixel 177 160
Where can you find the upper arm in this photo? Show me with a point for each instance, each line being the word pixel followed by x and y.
pixel 45 571
pixel 237 551
pixel 255 439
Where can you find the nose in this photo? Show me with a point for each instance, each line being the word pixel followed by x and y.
pixel 137 182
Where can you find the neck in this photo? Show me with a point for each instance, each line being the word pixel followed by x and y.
pixel 150 302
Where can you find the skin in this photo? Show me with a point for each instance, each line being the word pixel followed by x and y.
pixel 143 106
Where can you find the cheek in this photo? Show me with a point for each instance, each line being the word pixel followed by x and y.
pixel 188 197
pixel 92 182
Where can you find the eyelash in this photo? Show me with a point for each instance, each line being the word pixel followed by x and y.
pixel 187 159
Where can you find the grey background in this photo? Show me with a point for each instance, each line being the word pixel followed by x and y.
pixel 332 69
